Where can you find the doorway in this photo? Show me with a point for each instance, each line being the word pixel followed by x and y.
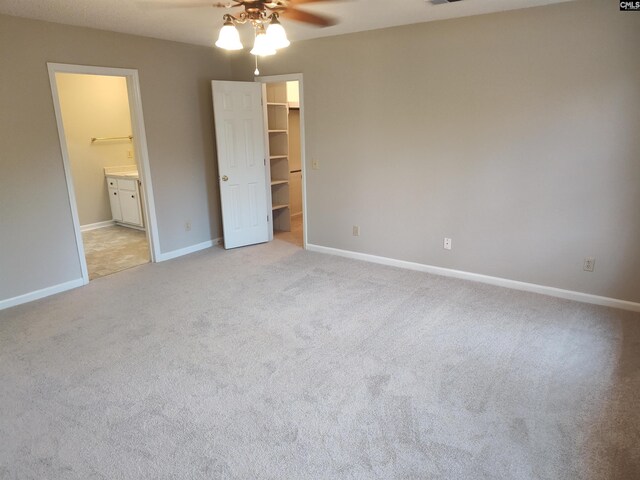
pixel 102 139
pixel 284 120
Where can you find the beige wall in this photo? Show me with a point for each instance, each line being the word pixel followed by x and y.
pixel 37 245
pixel 293 92
pixel 94 106
pixel 516 134
pixel 294 140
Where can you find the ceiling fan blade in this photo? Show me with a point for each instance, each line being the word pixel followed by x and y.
pixel 163 4
pixel 306 17
pixel 300 2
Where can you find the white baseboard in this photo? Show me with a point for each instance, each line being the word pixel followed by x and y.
pixel 187 250
pixel 95 226
pixel 132 227
pixel 38 294
pixel 476 277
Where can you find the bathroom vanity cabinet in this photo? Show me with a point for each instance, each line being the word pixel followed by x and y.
pixel 124 196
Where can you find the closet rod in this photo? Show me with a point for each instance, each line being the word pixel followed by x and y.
pixel 97 139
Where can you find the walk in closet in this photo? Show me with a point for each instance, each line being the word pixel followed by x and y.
pixel 284 153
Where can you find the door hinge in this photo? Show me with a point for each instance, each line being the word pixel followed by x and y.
pixel 265 161
pixel 267 218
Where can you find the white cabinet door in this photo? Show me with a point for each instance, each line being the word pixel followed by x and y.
pixel 239 125
pixel 114 200
pixel 130 206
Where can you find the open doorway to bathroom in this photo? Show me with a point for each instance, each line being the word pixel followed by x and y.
pixel 97 126
pixel 101 153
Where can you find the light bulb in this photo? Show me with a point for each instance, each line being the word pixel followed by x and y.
pixel 229 38
pixel 276 34
pixel 262 46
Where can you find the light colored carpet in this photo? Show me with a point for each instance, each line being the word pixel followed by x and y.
pixel 270 362
pixel 113 249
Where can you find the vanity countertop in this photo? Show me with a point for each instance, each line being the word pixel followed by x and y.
pixel 131 174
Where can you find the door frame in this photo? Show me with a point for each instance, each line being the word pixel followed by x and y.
pixel 139 145
pixel 291 77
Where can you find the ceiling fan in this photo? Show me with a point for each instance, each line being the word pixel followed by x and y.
pixel 263 15
pixel 254 9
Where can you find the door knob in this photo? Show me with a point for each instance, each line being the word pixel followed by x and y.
pixel 225 178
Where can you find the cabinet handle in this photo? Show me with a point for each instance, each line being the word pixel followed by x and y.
pixel 133 196
pixel 115 193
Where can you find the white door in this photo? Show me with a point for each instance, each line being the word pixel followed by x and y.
pixel 237 107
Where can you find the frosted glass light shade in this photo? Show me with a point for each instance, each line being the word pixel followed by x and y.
pixel 277 36
pixel 262 46
pixel 229 38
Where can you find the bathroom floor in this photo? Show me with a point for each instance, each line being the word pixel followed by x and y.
pixel 112 249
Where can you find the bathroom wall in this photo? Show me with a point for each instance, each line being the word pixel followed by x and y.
pixel 94 106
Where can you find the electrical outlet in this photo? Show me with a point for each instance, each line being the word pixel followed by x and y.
pixel 447 243
pixel 589 264
pixel 315 164
pixel 187 226
pixel 356 231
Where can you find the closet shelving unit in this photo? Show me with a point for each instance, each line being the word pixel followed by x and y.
pixel 278 132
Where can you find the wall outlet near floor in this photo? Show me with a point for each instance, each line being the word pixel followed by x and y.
pixel 315 164
pixel 187 226
pixel 589 264
pixel 356 231
pixel 447 243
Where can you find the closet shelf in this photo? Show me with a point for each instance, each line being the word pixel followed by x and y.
pixel 278 131
pixel 275 157
pixel 279 182
pixel 278 104
pixel 279 207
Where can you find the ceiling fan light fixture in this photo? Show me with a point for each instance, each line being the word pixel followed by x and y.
pixel 264 17
pixel 276 34
pixel 229 38
pixel 262 46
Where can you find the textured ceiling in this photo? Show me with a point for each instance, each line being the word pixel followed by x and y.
pixel 199 25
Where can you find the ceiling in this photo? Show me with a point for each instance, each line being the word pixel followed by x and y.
pixel 200 25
